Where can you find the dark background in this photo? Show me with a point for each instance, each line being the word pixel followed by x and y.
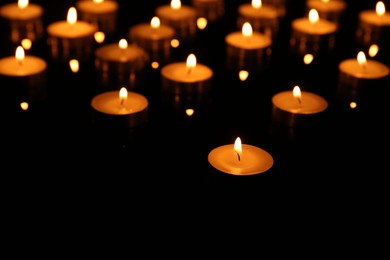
pixel 55 159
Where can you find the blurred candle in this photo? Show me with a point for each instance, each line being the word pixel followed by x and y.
pixel 24 20
pixel 240 159
pixel 331 10
pixel 212 10
pixel 71 38
pixel 248 50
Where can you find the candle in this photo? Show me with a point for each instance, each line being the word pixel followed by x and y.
pixel 312 35
pixel 330 10
pixel 279 5
pixel 373 26
pixel 263 18
pixel 212 10
pixel 120 64
pixel 24 76
pixel 101 13
pixel 248 49
pixel 155 38
pixel 240 159
pixel 297 108
pixel 24 19
pixel 71 38
pixel 361 80
pixel 181 17
pixel 120 109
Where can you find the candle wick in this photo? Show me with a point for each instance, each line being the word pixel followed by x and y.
pixel 238 156
pixel 189 70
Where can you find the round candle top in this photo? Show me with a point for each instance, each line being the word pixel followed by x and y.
pixel 111 103
pixel 248 10
pixel 253 160
pixel 13 11
pixel 255 41
pixel 97 8
pixel 307 103
pixel 30 65
pixel 327 6
pixel 371 17
pixel 320 27
pixel 146 31
pixel 179 72
pixel 169 13
pixel 371 70
pixel 63 29
pixel 113 52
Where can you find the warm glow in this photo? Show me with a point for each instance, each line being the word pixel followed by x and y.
pixel 361 58
pixel 313 16
pixel 238 147
pixel 175 43
pixel 99 37
pixel 175 4
pixel 243 75
pixel 201 22
pixel 308 58
pixel 26 43
pixel 380 8
pixel 98 1
pixel 72 15
pixel 247 29
pixel 325 1
pixel 123 44
pixel 123 95
pixel 190 111
pixel 22 4
pixel 191 62
pixel 256 4
pixel 155 65
pixel 297 94
pixel 353 105
pixel 19 54
pixel 24 106
pixel 373 50
pixel 155 22
pixel 74 65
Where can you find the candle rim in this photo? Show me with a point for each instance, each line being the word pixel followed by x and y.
pixel 6 13
pixel 345 64
pixel 322 105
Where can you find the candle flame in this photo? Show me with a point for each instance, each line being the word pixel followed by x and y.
pixel 313 16
pixel 256 4
pixel 123 44
pixel 22 4
pixel 175 4
pixel 308 58
pixel 99 37
pixel 201 23
pixel 238 147
pixel 243 75
pixel 123 95
pixel 325 1
pixel 19 54
pixel 247 30
pixel 190 111
pixel 297 94
pixel 72 15
pixel 98 1
pixel 191 62
pixel 361 58
pixel 74 65
pixel 175 43
pixel 380 8
pixel 373 50
pixel 24 106
pixel 26 43
pixel 155 22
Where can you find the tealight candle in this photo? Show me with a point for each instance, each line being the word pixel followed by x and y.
pixel 312 35
pixel 120 64
pixel 24 76
pixel 263 18
pixel 181 17
pixel 25 20
pixel 240 159
pixel 120 109
pixel 212 10
pixel 361 79
pixel 297 108
pixel 101 13
pixel 155 38
pixel 247 49
pixel 330 10
pixel 71 38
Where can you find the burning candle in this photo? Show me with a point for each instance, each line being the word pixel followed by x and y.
pixel 263 18
pixel 25 20
pixel 212 10
pixel 24 76
pixel 247 49
pixel 180 17
pixel 240 159
pixel 155 38
pixel 120 108
pixel 103 14
pixel 120 64
pixel 71 38
pixel 330 10
pixel 312 35
pixel 296 108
